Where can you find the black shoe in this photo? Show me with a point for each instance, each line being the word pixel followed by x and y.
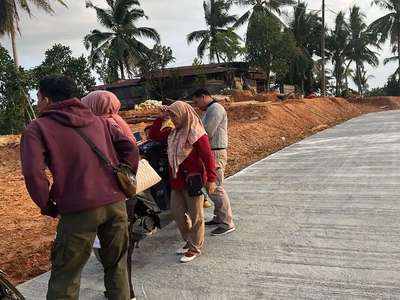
pixel 132 295
pixel 212 223
pixel 222 231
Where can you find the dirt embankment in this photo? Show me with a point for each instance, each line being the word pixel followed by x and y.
pixel 373 103
pixel 25 235
pixel 254 132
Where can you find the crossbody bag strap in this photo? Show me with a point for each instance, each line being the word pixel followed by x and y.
pixel 202 169
pixel 182 172
pixel 96 149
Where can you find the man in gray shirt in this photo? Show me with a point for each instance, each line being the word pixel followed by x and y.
pixel 215 122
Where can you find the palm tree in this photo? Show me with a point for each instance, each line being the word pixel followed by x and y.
pixel 305 27
pixel 317 71
pixel 9 18
pixel 119 45
pixel 218 20
pixel 270 7
pixel 337 43
pixel 388 27
pixel 360 40
pixel 362 78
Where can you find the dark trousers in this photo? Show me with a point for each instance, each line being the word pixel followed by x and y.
pixel 130 207
pixel 73 245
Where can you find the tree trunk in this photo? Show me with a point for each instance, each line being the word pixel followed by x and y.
pixel 28 114
pixel 217 54
pixel 337 82
pixel 347 78
pixel 13 29
pixel 29 104
pixel 359 80
pixel 268 79
pixel 14 42
pixel 121 69
pixel 212 56
pixel 302 84
pixel 337 88
pixel 398 52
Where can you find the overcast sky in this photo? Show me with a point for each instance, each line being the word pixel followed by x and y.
pixel 173 19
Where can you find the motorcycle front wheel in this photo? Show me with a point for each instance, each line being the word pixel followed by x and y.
pixel 8 291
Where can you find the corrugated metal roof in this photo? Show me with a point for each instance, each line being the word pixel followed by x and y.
pixel 185 71
pixel 121 83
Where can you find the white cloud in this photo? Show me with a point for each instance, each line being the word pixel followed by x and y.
pixel 173 19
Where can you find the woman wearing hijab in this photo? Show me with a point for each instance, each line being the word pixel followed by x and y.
pixel 106 105
pixel 188 152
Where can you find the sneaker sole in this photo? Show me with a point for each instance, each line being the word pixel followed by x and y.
pixel 226 232
pixel 186 261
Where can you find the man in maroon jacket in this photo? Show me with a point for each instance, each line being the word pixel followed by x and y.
pixel 85 195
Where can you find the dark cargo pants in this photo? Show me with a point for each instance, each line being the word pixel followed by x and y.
pixel 73 245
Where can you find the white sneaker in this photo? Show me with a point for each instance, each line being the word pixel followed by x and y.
pixel 183 250
pixel 188 257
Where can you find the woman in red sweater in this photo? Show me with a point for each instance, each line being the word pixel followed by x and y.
pixel 188 152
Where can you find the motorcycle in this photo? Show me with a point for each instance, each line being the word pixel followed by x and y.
pixel 7 289
pixel 146 221
pixel 151 207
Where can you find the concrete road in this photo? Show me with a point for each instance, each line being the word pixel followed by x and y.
pixel 317 220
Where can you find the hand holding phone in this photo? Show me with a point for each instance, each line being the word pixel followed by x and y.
pixel 210 187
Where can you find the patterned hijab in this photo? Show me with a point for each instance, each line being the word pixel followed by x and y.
pixel 181 140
